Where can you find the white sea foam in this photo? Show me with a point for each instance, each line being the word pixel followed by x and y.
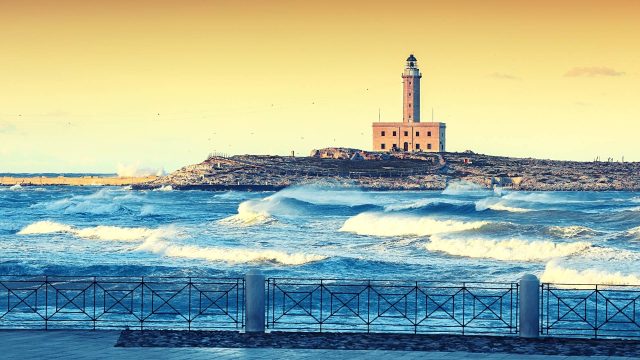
pixel 508 250
pixel 164 188
pixel 386 224
pixel 15 187
pixel 101 232
pixel 231 255
pixel 570 231
pixel 45 227
pixel 135 170
pixel 463 187
pixel 160 241
pixel 556 272
pixel 634 231
pixel 258 211
pixel 497 204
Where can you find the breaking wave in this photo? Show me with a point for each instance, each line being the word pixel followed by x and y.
pixel 158 241
pixel 508 250
pixel 15 187
pixel 324 194
pixel 570 231
pixel 101 232
pixel 102 202
pixel 134 170
pixel 463 188
pixel 294 201
pixel 423 203
pixel 555 272
pixel 385 224
pixel 164 188
pixel 230 255
pixel 497 204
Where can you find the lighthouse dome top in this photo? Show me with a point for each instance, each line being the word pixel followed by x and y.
pixel 411 58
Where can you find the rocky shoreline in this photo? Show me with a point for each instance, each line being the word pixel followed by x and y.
pixel 399 171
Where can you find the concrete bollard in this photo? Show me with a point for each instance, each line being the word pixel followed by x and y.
pixel 254 301
pixel 529 306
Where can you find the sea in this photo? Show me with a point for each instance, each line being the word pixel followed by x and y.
pixel 323 231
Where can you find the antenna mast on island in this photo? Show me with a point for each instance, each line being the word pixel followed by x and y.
pixel 378 114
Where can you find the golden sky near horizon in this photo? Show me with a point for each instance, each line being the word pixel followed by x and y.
pixel 86 85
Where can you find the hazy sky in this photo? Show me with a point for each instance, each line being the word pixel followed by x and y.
pixel 86 85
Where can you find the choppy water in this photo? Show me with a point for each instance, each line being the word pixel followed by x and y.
pixel 463 233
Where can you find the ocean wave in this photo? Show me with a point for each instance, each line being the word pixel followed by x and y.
pixel 634 231
pixel 159 241
pixel 101 232
pixel 558 273
pixel 385 224
pixel 260 211
pixel 423 203
pixel 16 187
pixel 497 204
pixel 570 231
pixel 541 197
pixel 463 187
pixel 327 194
pixel 102 202
pixel 45 227
pixel 508 250
pixel 295 201
pixel 229 255
pixel 164 188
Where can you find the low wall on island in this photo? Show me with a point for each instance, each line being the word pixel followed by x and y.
pixel 74 181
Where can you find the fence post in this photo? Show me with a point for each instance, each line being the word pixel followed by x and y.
pixel 254 301
pixel 529 306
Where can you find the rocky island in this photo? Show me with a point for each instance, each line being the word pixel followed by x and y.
pixel 399 171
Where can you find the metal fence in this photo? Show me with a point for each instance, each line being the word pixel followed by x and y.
pixel 48 302
pixel 590 310
pixel 392 306
pixel 324 305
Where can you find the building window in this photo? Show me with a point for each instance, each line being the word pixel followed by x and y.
pixel 409 104
pixel 417 133
pixel 417 146
pixel 409 94
pixel 382 134
pixel 428 133
pixel 394 146
pixel 394 133
pixel 382 146
pixel 406 133
pixel 429 146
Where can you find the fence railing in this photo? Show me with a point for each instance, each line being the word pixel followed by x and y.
pixel 49 302
pixel 527 308
pixel 392 306
pixel 590 310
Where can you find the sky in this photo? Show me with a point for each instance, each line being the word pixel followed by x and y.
pixel 87 86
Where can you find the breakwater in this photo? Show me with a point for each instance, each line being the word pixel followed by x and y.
pixel 73 181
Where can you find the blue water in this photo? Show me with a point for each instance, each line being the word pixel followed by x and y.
pixel 463 233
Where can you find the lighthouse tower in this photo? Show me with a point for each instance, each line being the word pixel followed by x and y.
pixel 411 91
pixel 410 135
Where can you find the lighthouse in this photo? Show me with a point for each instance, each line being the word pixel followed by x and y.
pixel 411 91
pixel 410 135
